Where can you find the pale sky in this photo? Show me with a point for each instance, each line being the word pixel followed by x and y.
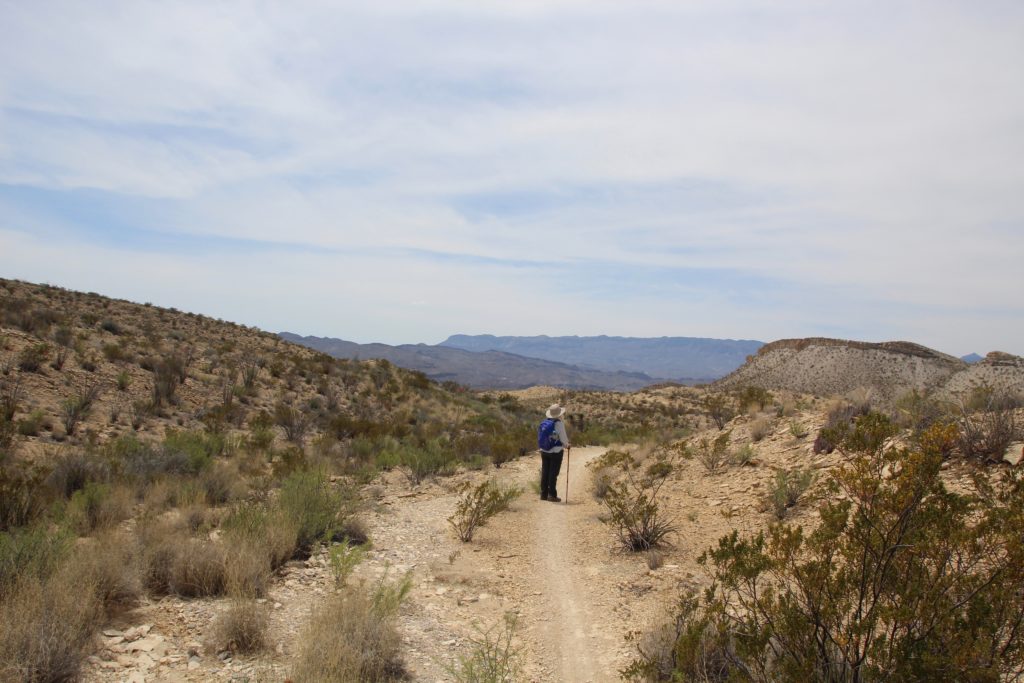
pixel 402 171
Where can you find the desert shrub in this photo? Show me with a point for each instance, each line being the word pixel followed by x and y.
pixel 76 408
pixel 31 425
pixel 837 424
pixel 110 565
pixel 714 453
pixel 655 559
pixel 986 434
pixel 344 557
pixel 253 524
pixel 261 438
pixel 492 657
pixel 97 506
pixel 797 429
pixel 115 353
pixel 759 396
pixel 110 326
pixel 199 569
pixel 602 478
pixel 307 498
pixel 786 490
pixel 760 428
pixel 352 637
pixel 168 374
pixel 30 553
pixel 11 393
pixel 917 411
pixel 23 496
pixel 123 380
pixel 718 408
pixel 294 422
pixel 902 580
pixel 477 504
pixel 241 628
pixel 220 484
pixel 742 456
pixel 420 462
pixel 72 471
pixel 632 499
pixel 32 358
pixel 46 628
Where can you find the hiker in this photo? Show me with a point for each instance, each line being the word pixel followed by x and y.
pixel 552 440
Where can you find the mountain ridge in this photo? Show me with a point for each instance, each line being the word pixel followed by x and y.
pixel 665 358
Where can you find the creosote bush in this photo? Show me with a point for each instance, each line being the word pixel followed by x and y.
pixel 632 498
pixel 714 453
pixel 477 504
pixel 903 580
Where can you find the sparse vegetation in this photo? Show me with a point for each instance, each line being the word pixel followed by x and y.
pixel 714 453
pixel 477 504
pixel 632 498
pixel 492 656
pixel 903 580
pixel 352 637
pixel 786 490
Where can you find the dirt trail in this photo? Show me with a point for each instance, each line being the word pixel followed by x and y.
pixel 565 640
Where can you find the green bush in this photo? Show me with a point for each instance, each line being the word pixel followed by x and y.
pixel 788 487
pixel 477 504
pixel 307 499
pixel 902 580
pixel 30 553
pixel 97 506
pixel 632 499
pixel 714 453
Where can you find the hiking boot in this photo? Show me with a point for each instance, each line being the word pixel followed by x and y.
pixel 543 496
pixel 554 499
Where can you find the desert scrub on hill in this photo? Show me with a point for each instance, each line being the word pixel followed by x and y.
pixel 786 490
pixel 902 580
pixel 631 497
pixel 477 504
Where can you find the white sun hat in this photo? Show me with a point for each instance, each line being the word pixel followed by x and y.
pixel 555 411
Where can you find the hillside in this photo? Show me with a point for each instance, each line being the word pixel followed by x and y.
pixel 480 370
pixel 690 359
pixel 832 366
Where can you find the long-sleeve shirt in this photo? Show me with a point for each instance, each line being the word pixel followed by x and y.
pixel 562 437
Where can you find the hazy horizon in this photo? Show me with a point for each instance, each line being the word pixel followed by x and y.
pixel 405 171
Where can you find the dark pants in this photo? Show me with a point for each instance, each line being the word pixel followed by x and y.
pixel 550 465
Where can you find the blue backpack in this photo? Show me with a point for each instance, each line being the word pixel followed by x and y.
pixel 546 436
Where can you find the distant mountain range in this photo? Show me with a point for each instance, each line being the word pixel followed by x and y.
pixel 667 358
pixel 480 370
pixel 971 358
pixel 611 363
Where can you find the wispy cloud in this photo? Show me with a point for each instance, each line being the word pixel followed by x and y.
pixel 741 168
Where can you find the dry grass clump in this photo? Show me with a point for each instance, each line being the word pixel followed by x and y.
pixel 241 628
pixel 46 626
pixel 174 563
pixel 96 507
pixel 760 428
pixel 110 564
pixel 352 637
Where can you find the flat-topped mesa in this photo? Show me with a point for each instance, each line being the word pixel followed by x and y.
pixel 824 367
pixel 899 347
